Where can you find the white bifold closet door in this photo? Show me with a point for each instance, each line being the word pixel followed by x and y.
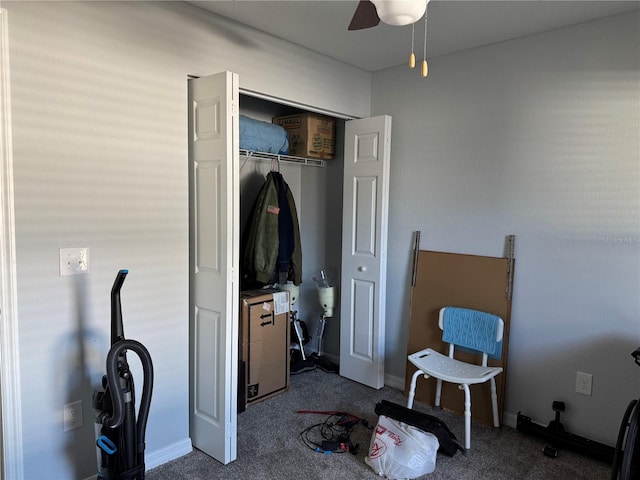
pixel 364 249
pixel 214 245
pixel 214 219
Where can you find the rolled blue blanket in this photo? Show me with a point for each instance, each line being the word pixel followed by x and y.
pixel 259 136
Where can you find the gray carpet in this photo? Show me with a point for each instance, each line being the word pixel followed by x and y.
pixel 269 446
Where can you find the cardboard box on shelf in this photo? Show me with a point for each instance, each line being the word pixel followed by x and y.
pixel 264 349
pixel 310 135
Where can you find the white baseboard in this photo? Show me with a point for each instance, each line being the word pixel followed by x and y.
pixel 389 380
pixel 509 419
pixel 162 456
pixel 166 454
pixel 335 359
pixel 394 382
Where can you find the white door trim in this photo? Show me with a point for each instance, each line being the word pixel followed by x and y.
pixel 291 103
pixel 11 434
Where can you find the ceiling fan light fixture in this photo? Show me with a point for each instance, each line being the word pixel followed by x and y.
pixel 400 12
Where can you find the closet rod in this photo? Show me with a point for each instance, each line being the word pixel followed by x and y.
pixel 314 162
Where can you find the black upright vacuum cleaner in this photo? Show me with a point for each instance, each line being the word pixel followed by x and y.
pixel 120 439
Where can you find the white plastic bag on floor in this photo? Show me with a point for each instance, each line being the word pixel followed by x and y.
pixel 400 452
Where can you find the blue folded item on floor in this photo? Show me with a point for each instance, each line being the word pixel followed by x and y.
pixel 259 136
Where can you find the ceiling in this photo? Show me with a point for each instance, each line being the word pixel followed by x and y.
pixel 453 25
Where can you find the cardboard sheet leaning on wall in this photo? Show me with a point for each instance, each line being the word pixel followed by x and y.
pixel 470 281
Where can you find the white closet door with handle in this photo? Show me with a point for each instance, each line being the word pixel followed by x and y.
pixel 213 264
pixel 364 249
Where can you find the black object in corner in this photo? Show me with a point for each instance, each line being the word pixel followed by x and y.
pixel 558 438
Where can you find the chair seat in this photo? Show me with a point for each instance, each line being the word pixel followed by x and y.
pixel 451 370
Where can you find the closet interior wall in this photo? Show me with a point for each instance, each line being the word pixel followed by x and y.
pixel 317 192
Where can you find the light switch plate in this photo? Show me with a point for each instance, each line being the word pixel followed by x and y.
pixel 74 261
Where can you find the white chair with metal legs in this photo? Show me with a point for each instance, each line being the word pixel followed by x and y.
pixel 469 329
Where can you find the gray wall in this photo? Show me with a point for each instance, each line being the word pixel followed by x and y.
pixel 99 109
pixel 537 137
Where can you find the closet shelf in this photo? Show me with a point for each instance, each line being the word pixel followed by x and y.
pixel 282 158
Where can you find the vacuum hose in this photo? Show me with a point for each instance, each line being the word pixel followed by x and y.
pixel 117 395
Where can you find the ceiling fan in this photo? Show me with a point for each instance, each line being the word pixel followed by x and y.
pixel 369 13
pixel 392 12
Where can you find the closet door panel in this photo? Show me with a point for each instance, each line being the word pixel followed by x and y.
pixel 364 254
pixel 213 264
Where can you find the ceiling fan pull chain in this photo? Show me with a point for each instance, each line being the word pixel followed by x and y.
pixel 425 67
pixel 412 57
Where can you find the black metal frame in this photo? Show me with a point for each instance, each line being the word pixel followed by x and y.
pixel 626 460
pixel 558 438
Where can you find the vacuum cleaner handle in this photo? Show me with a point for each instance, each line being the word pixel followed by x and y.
pixel 117 330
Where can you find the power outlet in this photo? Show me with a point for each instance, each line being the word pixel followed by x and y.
pixel 583 383
pixel 72 415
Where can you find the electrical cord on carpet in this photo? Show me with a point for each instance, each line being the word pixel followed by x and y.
pixel 333 435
